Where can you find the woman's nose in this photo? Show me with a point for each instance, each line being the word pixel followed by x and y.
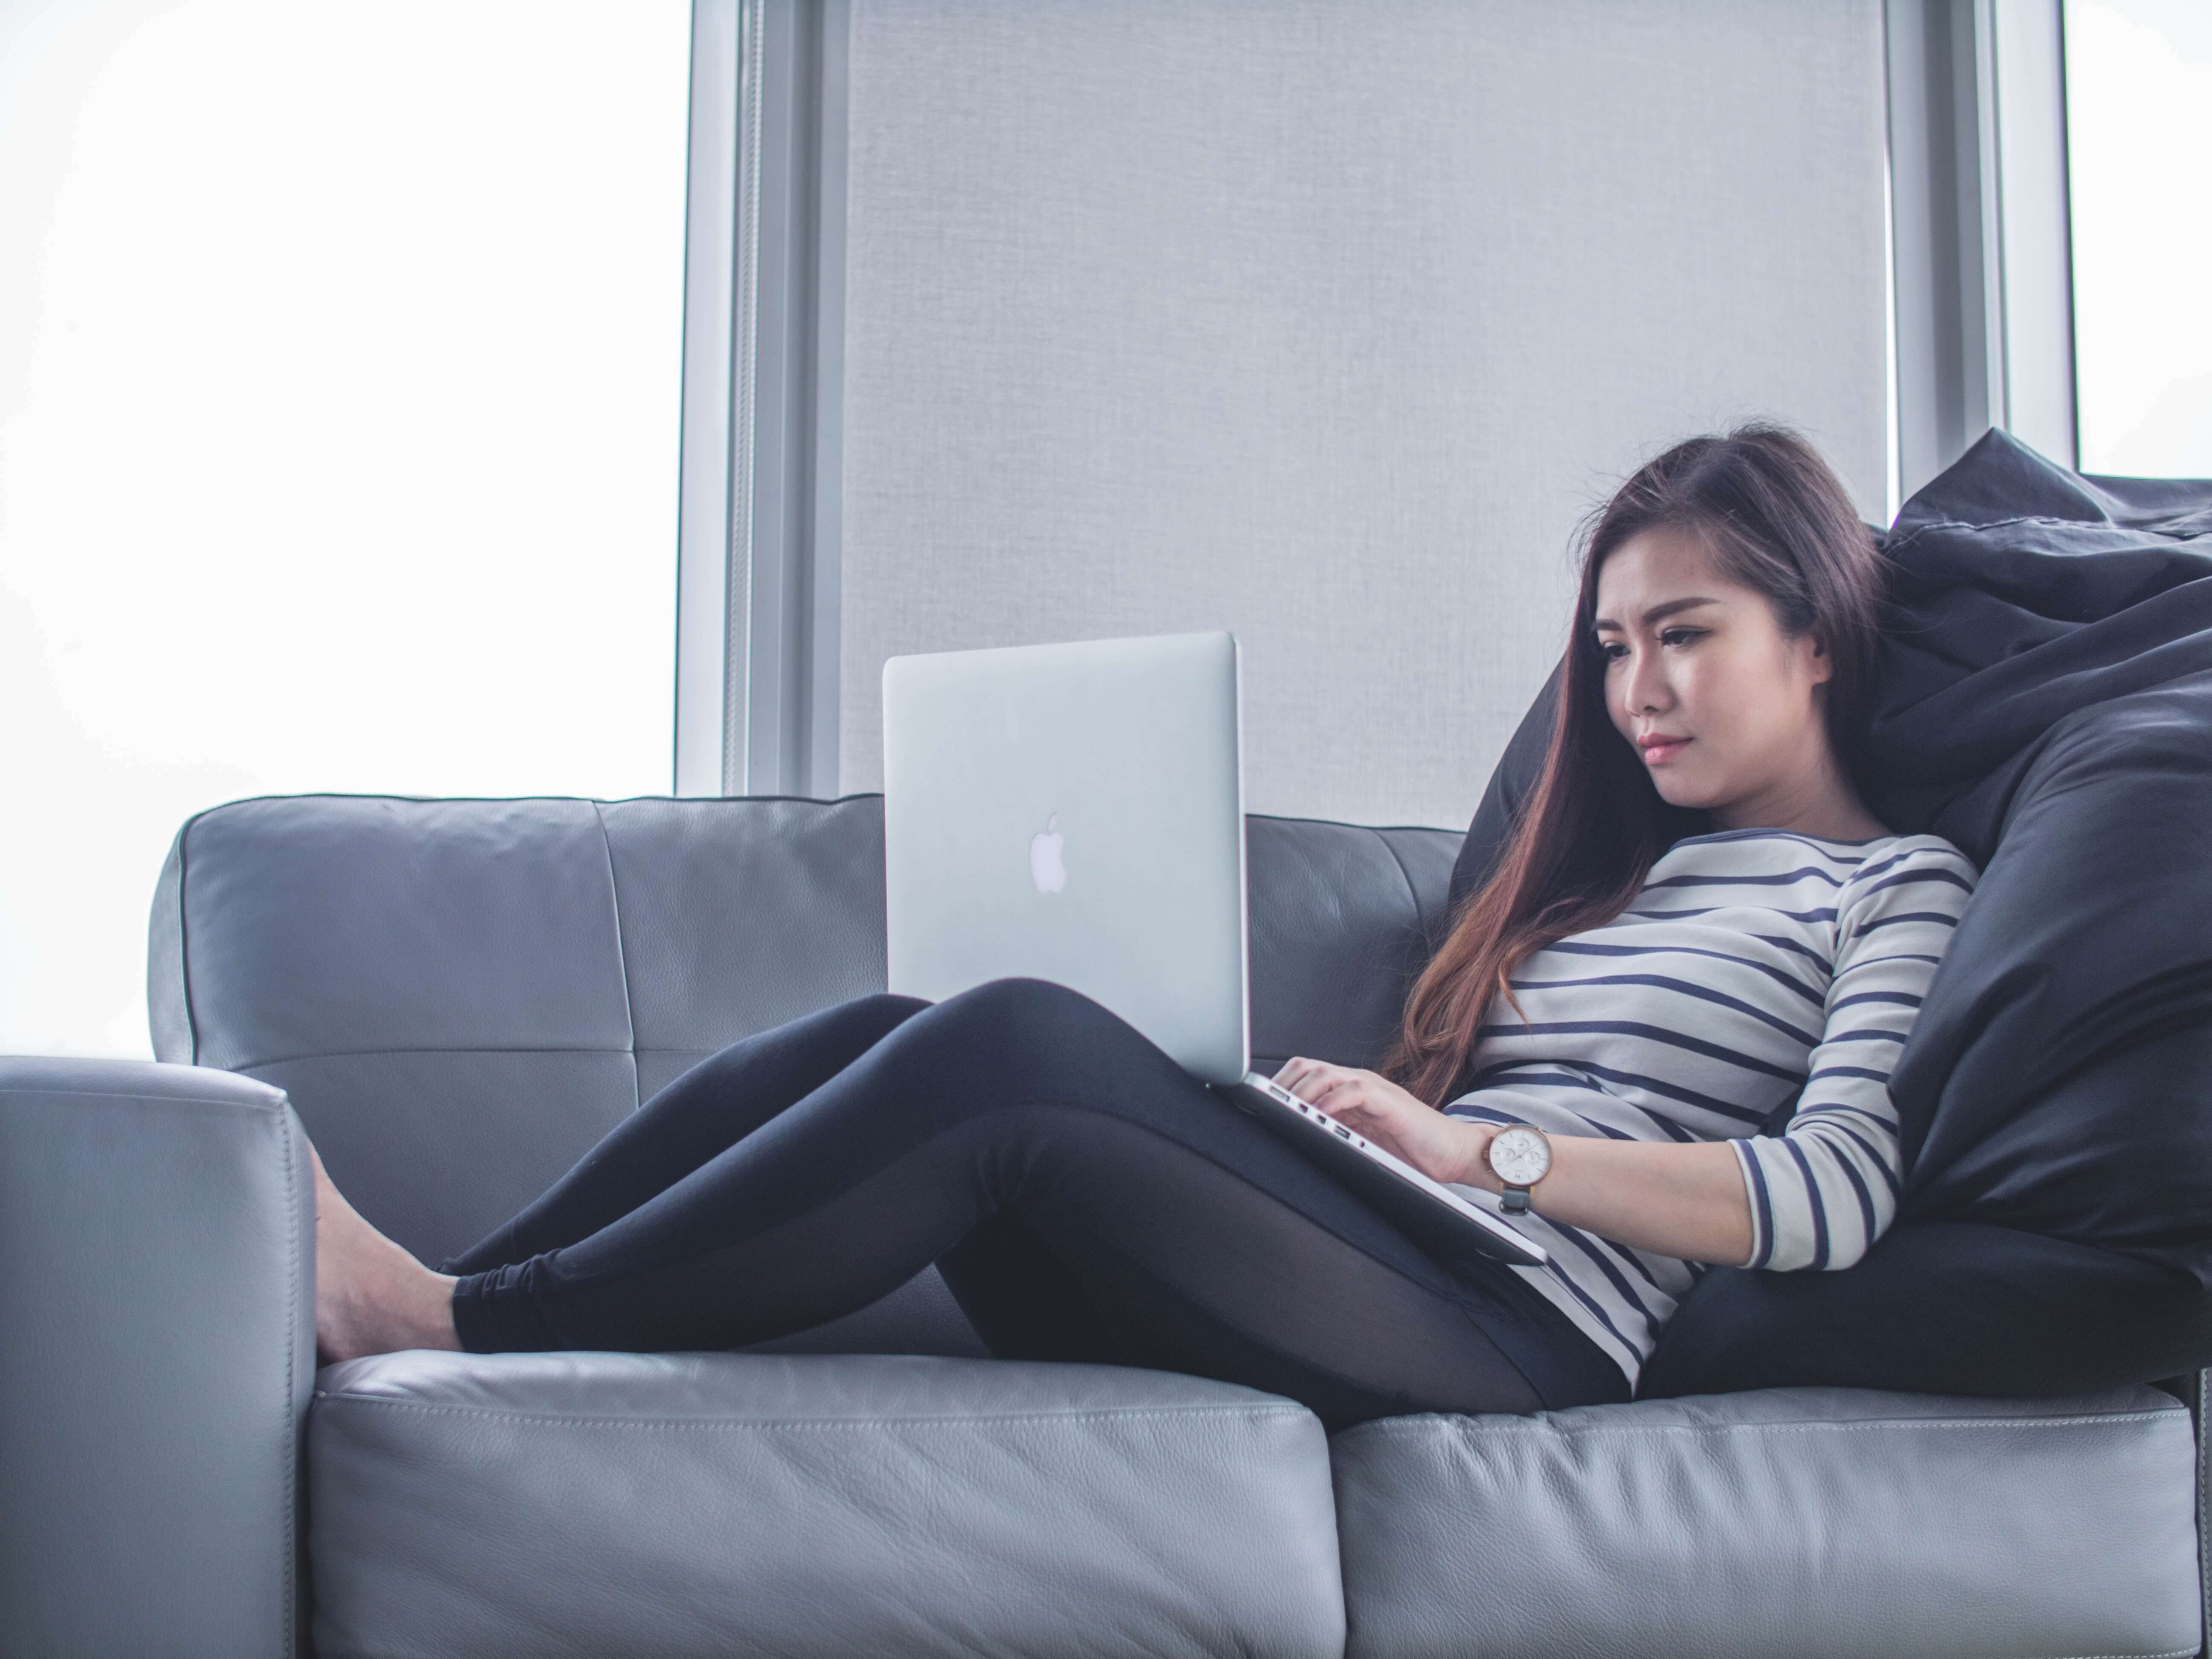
pixel 1647 683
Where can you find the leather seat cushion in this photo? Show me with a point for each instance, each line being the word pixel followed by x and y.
pixel 610 1504
pixel 1809 1521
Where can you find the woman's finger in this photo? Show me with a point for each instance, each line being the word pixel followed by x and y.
pixel 1340 1094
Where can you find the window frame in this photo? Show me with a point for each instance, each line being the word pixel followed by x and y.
pixel 763 342
pixel 1981 229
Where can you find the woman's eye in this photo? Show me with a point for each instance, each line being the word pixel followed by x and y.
pixel 1611 651
pixel 1680 636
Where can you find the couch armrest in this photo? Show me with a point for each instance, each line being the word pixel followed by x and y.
pixel 156 1298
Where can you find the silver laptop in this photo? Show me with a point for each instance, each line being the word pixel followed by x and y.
pixel 1076 813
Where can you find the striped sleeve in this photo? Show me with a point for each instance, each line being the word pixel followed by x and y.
pixel 1824 1190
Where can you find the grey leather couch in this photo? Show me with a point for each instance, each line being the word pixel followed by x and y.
pixel 455 998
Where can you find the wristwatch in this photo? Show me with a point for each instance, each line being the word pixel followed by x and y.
pixel 1520 1156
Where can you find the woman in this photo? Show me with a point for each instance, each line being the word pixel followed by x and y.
pixel 1616 1014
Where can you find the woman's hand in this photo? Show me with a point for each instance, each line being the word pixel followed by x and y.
pixel 1442 1148
pixel 1672 1200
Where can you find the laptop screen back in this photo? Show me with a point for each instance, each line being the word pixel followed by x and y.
pixel 1075 813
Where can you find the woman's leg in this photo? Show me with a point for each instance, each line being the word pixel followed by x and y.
pixel 1023 1117
pixel 700 1114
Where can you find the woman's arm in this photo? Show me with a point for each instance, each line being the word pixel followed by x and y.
pixel 1672 1199
pixel 1824 1190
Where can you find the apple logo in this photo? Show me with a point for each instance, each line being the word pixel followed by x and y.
pixel 1046 869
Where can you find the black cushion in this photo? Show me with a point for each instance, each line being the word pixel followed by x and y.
pixel 2047 706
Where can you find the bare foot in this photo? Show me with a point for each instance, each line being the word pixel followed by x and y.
pixel 370 1297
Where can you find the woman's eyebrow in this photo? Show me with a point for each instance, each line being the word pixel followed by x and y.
pixel 1656 613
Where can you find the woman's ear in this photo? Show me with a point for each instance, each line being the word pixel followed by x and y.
pixel 1821 665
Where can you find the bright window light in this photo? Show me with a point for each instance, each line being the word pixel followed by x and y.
pixel 2139 134
pixel 340 352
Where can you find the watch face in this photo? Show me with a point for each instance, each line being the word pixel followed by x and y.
pixel 1520 1156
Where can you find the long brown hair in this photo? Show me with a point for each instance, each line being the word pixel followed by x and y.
pixel 1774 518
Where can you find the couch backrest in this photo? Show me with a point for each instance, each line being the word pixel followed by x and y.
pixel 461 996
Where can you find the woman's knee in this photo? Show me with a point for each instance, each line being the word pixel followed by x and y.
pixel 1020 1041
pixel 888 1007
pixel 1016 1004
pixel 863 1021
pixel 1009 1019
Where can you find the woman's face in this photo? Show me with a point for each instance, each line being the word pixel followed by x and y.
pixel 1701 681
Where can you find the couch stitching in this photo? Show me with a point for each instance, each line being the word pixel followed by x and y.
pixel 1257 1414
pixel 1392 1428
pixel 250 1107
pixel 2204 1493
pixel 635 1049
pixel 1413 893
pixel 291 1459
pixel 621 952
pixel 184 939
pixel 372 1053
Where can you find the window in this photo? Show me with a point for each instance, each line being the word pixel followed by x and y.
pixel 2139 138
pixel 340 360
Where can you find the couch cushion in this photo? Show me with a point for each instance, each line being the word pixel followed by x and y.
pixel 461 996
pixel 1342 918
pixel 738 915
pixel 615 1504
pixel 1809 1521
pixel 437 985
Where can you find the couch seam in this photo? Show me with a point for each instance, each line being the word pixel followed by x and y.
pixel 1413 893
pixel 1286 1413
pixel 510 800
pixel 183 937
pixel 291 1442
pixel 2204 1493
pixel 1346 824
pixel 2085 1420
pixel 622 953
pixel 245 1106
pixel 371 1054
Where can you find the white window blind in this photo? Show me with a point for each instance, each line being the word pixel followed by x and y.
pixel 1325 323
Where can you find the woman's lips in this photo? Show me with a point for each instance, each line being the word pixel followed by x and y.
pixel 1658 754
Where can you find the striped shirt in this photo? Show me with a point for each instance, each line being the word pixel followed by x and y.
pixel 1754 964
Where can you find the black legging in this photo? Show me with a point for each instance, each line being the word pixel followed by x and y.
pixel 1086 1198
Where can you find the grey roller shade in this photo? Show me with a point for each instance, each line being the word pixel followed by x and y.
pixel 1324 320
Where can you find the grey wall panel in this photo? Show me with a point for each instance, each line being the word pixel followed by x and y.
pixel 1324 321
